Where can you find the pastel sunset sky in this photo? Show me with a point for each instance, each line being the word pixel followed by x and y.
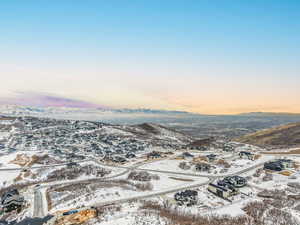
pixel 214 57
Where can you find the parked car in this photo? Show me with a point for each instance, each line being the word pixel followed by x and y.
pixel 70 212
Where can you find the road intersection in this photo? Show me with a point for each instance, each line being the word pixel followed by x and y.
pixel 39 210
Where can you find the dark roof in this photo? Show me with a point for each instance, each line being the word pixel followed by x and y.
pixel 187 154
pixel 154 154
pixel 219 187
pixel 246 153
pixel 275 164
pixel 203 165
pixel 10 193
pixel 285 160
pixel 187 193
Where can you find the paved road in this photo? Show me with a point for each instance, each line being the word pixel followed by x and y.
pixel 46 166
pixel 38 208
pixel 155 194
pixel 197 175
pixel 38 200
pixel 212 178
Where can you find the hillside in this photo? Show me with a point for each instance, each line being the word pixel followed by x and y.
pixel 73 136
pixel 285 135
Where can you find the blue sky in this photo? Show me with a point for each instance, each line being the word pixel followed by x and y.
pixel 200 56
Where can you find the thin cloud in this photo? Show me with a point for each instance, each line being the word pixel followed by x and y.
pixel 46 100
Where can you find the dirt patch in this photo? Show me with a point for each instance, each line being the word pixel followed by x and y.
pixel 21 160
pixel 29 173
pixel 25 160
pixel 7 118
pixel 49 202
pixel 44 159
pixel 181 179
pixel 18 178
pixel 200 159
pixel 80 217
pixel 286 173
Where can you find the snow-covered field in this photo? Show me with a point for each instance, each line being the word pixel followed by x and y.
pixel 107 194
pixel 5 160
pixel 165 165
pixel 236 166
pixel 8 176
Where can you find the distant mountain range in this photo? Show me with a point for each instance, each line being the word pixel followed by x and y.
pixel 151 111
pixel 29 110
pixel 269 114
pixel 197 125
pixel 26 110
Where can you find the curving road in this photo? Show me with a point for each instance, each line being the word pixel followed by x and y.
pixel 212 178
pixel 38 199
pixel 154 194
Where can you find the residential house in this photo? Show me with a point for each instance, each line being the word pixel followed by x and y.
pixel 72 165
pixel 187 197
pixel 228 148
pixel 279 165
pixel 119 159
pixel 287 163
pixel 130 155
pixel 12 200
pixel 274 165
pixel 202 167
pixel 247 155
pixel 154 155
pixel 224 191
pixel 211 157
pixel 235 181
pixel 187 155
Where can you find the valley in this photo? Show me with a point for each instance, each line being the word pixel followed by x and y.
pixel 88 172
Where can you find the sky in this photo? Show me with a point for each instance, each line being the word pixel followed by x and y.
pixel 212 57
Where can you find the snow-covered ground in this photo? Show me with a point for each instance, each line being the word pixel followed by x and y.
pixel 165 165
pixel 107 194
pixel 237 165
pixel 5 160
pixel 242 164
pixel 278 181
pixel 209 203
pixel 7 177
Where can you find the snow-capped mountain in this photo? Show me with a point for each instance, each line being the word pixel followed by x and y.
pixel 16 110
